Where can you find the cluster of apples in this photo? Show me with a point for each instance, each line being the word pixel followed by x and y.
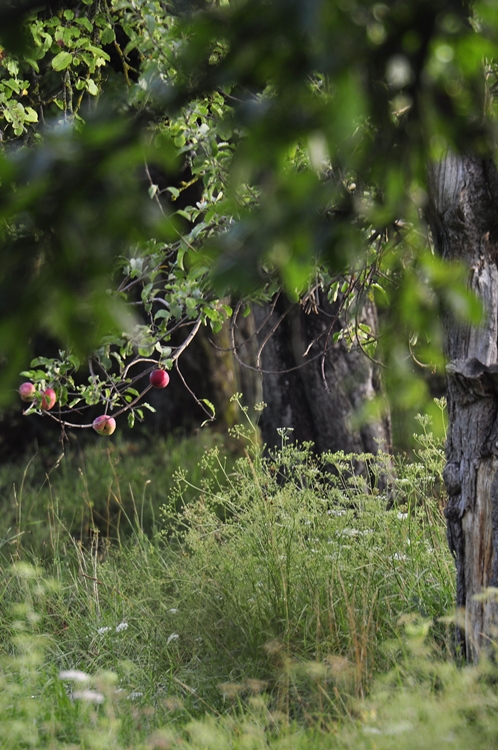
pixel 27 391
pixel 103 425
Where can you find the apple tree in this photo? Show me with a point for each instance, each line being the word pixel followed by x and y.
pixel 93 80
pixel 88 237
pixel 345 150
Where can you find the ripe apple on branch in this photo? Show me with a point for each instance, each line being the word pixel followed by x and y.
pixel 103 424
pixel 170 303
pixel 46 399
pixel 159 378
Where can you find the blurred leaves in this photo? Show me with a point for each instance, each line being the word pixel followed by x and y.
pixel 68 208
pixel 301 130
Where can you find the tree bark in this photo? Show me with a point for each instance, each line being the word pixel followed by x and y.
pixel 316 389
pixel 463 215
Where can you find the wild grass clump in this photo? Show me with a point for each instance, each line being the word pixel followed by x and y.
pixel 283 571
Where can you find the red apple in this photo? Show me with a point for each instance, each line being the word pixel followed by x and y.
pixel 48 399
pixel 104 425
pixel 159 378
pixel 27 391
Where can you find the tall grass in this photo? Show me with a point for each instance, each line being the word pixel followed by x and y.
pixel 112 488
pixel 282 567
pixel 278 600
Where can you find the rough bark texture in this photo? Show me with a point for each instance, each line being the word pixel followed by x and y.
pixel 316 390
pixel 464 193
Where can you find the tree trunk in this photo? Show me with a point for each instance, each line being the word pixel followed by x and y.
pixel 464 193
pixel 316 389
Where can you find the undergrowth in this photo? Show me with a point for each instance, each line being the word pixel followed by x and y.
pixel 282 600
pixel 113 489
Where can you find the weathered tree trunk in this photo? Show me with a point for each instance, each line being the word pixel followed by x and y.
pixel 464 217
pixel 316 389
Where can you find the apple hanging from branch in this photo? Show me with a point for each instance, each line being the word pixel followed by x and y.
pixel 118 394
pixel 159 378
pixel 48 399
pixel 27 391
pixel 104 425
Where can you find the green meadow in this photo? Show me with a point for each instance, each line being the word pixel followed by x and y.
pixel 199 593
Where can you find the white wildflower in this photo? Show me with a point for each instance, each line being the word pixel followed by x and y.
pixel 173 611
pixel 136 694
pixel 91 696
pixel 402 516
pixel 103 630
pixel 74 675
pixel 122 626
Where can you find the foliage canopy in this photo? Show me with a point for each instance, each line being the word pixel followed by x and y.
pixel 158 156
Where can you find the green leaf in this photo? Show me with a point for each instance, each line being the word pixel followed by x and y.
pixel 99 54
pixel 83 21
pixel 30 115
pixel 13 84
pixel 44 361
pixel 211 408
pixel 34 374
pixel 91 87
pixel 62 61
pixel 69 36
pixel 107 35
pixel 33 64
pixel 74 360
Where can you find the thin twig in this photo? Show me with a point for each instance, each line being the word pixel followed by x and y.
pixel 197 401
